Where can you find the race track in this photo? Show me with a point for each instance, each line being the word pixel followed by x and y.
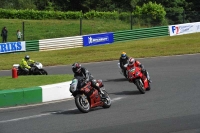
pixel 172 106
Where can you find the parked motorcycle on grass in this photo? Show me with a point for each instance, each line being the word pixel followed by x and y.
pixel 136 76
pixel 124 72
pixel 87 97
pixel 37 69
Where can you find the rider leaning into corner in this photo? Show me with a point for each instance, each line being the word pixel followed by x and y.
pixel 80 71
pixel 123 60
pixel 24 65
pixel 135 63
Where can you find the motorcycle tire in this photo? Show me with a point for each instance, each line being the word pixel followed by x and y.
pixel 107 101
pixel 43 72
pixel 149 88
pixel 82 103
pixel 140 86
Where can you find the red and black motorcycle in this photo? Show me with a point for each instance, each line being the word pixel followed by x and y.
pixel 136 76
pixel 87 97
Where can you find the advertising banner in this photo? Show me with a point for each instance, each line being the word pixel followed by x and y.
pixel 12 47
pixel 197 26
pixel 98 39
pixel 181 29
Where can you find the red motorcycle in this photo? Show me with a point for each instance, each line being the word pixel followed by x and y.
pixel 136 76
pixel 87 97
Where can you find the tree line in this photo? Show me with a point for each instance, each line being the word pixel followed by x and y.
pixel 177 11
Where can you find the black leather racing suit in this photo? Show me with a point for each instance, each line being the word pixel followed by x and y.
pixel 87 75
pixel 122 63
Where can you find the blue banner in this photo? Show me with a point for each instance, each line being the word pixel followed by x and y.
pixel 98 39
pixel 12 47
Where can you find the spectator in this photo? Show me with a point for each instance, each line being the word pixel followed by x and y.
pixel 19 35
pixel 4 34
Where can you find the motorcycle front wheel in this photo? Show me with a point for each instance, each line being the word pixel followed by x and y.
pixel 82 103
pixel 43 72
pixel 140 86
pixel 107 100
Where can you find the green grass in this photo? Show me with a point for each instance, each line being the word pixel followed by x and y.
pixel 31 81
pixel 44 29
pixel 162 46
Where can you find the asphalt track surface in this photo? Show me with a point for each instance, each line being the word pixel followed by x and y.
pixel 172 106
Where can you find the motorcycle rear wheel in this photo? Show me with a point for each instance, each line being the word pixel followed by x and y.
pixel 140 86
pixel 82 103
pixel 107 101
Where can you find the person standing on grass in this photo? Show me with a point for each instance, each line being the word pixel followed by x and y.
pixel 19 35
pixel 4 34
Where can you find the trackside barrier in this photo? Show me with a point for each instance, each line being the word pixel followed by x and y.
pixel 33 95
pixel 141 33
pixel 32 45
pixel 20 96
pixel 60 43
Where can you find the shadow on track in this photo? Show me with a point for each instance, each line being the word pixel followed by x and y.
pixel 115 80
pixel 72 111
pixel 134 92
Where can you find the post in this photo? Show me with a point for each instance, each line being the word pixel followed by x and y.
pixel 131 21
pixel 23 30
pixel 81 25
pixel 183 16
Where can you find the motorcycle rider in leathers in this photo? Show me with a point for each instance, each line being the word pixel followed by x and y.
pixel 135 63
pixel 24 64
pixel 80 71
pixel 123 60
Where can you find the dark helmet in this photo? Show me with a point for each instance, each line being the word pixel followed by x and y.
pixel 77 67
pixel 27 57
pixel 94 82
pixel 123 55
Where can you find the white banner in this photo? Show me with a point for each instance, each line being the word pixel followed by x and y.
pixel 12 47
pixel 181 29
pixel 197 26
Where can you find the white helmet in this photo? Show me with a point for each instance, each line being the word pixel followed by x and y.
pixel 131 61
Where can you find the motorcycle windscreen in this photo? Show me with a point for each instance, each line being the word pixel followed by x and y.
pixel 73 85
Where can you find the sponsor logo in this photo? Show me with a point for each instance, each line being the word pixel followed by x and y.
pixel 97 40
pixel 9 47
pixel 175 29
pixel 181 29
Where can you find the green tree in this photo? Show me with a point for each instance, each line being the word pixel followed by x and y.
pixel 151 13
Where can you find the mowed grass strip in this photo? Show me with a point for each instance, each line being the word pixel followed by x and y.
pixel 8 82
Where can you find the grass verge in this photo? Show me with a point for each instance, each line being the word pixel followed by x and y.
pixel 162 46
pixel 7 83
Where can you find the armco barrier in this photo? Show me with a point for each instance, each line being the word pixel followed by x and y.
pixel 33 95
pixel 60 43
pixel 140 33
pixel 32 45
